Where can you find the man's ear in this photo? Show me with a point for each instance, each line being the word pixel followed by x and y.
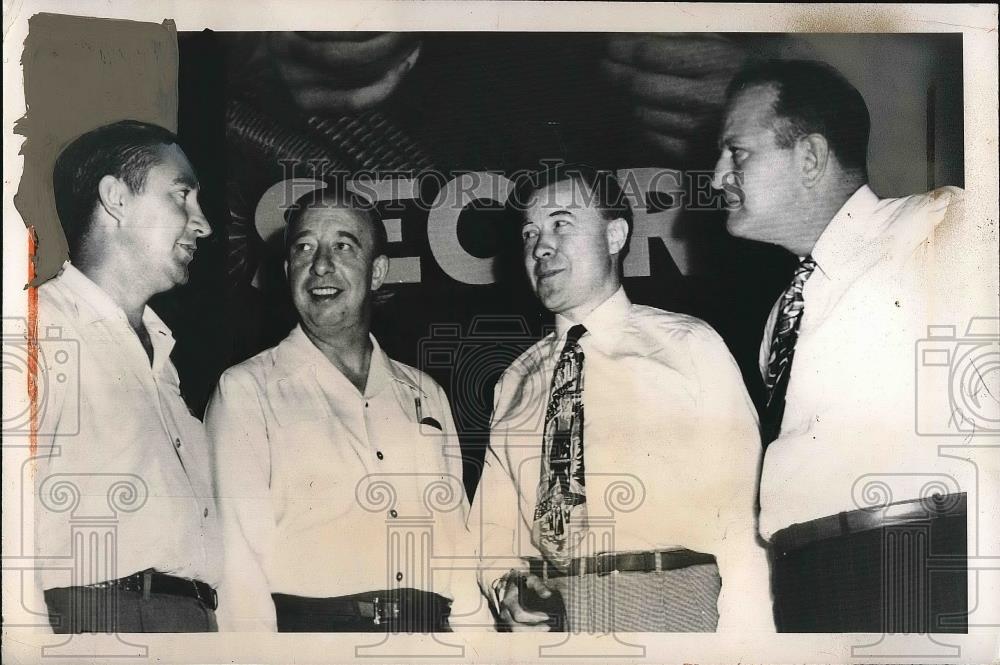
pixel 617 235
pixel 380 268
pixel 113 195
pixel 814 157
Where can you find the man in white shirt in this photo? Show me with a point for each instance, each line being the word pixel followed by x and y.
pixel 631 514
pixel 842 424
pixel 127 198
pixel 339 468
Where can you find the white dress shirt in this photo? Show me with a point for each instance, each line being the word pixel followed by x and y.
pixel 853 434
pixel 671 450
pixel 316 478
pixel 116 432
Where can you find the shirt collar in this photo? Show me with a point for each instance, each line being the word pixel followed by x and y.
pixel 93 304
pixel 846 236
pixel 297 353
pixel 604 324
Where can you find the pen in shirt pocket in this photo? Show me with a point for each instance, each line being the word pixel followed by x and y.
pixel 430 421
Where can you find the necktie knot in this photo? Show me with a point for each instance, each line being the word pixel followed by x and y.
pixel 574 334
pixel 803 271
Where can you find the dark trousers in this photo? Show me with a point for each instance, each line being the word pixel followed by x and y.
pixel 94 610
pixel 419 612
pixel 905 578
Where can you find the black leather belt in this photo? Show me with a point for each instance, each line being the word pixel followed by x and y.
pixel 378 609
pixel 622 562
pixel 895 514
pixel 410 609
pixel 150 581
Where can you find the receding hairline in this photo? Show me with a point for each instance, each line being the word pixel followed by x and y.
pixel 772 87
pixel 188 176
pixel 773 123
pixel 576 180
pixel 325 200
pixel 315 208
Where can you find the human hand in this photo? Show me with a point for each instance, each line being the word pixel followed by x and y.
pixel 342 72
pixel 675 84
pixel 513 613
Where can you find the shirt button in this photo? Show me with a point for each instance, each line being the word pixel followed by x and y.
pixel 205 513
pixel 366 405
pixel 393 513
pixel 379 454
pixel 177 442
pixel 399 577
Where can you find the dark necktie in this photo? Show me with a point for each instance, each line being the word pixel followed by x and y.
pixel 561 499
pixel 779 362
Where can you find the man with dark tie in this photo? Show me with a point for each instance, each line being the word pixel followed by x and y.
pixel 845 465
pixel 596 487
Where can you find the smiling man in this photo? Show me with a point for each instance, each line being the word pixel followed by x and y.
pixel 325 446
pixel 622 514
pixel 127 198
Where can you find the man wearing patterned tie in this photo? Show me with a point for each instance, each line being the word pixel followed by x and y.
pixel 595 489
pixel 837 359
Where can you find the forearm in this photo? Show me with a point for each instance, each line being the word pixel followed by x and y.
pixel 244 595
pixel 744 602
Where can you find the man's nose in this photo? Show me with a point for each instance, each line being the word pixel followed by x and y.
pixel 199 222
pixel 544 247
pixel 720 171
pixel 322 262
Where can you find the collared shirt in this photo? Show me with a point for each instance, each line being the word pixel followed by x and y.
pixel 118 441
pixel 865 413
pixel 321 485
pixel 670 446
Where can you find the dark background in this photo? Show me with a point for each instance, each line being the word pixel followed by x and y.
pixel 478 102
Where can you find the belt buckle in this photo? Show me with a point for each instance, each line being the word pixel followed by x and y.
pixel 210 600
pixel 384 611
pixel 605 563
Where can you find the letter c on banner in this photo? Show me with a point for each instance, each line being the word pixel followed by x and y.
pixel 442 225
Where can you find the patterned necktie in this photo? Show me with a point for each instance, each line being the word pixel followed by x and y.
pixel 779 362
pixel 561 499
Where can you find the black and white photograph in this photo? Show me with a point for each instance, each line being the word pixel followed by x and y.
pixel 671 329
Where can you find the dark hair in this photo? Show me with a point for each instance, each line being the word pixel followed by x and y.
pixel 336 195
pixel 813 98
pixel 604 191
pixel 126 150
